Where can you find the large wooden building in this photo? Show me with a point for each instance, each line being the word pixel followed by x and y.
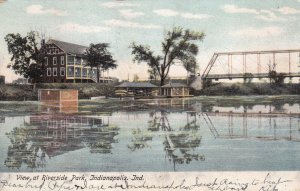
pixel 64 62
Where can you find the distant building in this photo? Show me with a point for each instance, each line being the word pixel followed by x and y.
pixel 64 62
pixel 175 90
pixel 2 79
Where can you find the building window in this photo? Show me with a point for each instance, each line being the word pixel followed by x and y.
pixel 54 60
pixel 48 71
pixel 62 71
pixel 62 60
pixel 54 71
pixel 46 60
pixel 77 72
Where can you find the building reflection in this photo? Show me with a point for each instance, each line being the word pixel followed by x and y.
pixel 2 119
pixel 45 136
pixel 58 106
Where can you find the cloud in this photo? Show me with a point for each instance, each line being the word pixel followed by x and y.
pixel 236 9
pixel 288 10
pixel 195 16
pixel 118 4
pixel 166 12
pixel 129 24
pixel 172 13
pixel 269 16
pixel 129 13
pixel 40 10
pixel 74 27
pixel 252 32
pixel 261 14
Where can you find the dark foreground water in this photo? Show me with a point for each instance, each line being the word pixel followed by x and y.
pixel 171 135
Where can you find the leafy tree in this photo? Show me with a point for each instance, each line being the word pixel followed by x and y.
pixel 178 45
pixel 248 77
pixel 27 58
pixel 99 57
pixel 152 74
pixel 276 78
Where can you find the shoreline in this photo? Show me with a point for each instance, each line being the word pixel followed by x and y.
pixel 25 92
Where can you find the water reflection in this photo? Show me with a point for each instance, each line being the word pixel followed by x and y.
pixel 181 139
pixel 58 106
pixel 272 104
pixel 178 143
pixel 253 126
pixel 47 136
pixel 180 146
pixel 2 119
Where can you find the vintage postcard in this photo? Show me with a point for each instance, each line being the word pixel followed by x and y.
pixel 150 95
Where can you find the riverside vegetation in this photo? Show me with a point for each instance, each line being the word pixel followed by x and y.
pixel 14 92
pixel 250 89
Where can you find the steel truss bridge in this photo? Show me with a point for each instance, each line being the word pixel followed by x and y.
pixel 228 66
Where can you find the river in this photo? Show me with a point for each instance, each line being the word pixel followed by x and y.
pixel 192 134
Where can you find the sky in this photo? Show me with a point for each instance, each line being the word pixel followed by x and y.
pixel 229 25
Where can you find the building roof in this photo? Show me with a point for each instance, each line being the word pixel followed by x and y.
pixel 68 47
pixel 174 85
pixel 136 85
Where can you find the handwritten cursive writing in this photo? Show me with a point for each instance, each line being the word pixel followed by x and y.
pixel 268 183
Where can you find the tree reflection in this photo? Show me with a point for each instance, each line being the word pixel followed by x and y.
pixel 22 151
pixel 139 139
pixel 180 148
pixel 179 143
pixel 44 137
pixel 101 139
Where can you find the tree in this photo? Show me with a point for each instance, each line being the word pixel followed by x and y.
pixel 152 74
pixel 99 57
pixel 276 78
pixel 248 77
pixel 136 78
pixel 178 45
pixel 27 58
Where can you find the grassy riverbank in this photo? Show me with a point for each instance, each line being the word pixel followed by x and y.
pixel 12 92
pixel 251 89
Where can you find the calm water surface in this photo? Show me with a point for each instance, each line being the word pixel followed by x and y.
pixel 168 135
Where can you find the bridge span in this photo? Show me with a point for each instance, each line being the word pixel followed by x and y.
pixel 253 64
pixel 243 76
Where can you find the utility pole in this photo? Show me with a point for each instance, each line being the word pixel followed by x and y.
pixel 299 66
